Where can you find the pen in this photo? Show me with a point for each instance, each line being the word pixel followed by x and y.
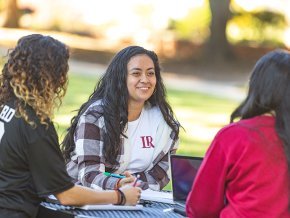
pixel 114 175
pixel 135 182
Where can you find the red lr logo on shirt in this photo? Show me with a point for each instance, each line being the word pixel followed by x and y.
pixel 147 141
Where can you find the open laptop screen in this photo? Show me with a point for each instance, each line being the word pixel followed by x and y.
pixel 183 172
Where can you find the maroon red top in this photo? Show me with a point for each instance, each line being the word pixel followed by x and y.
pixel 244 174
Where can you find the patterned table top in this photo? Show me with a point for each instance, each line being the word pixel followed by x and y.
pixel 150 209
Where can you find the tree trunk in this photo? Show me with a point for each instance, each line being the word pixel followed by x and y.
pixel 218 47
pixel 12 14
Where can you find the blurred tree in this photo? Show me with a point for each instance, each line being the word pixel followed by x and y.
pixel 257 28
pixel 1 5
pixel 218 47
pixel 222 25
pixel 12 14
pixel 207 25
pixel 194 26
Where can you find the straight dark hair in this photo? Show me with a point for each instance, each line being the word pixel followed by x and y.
pixel 269 90
pixel 112 90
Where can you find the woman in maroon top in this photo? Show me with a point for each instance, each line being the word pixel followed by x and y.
pixel 245 172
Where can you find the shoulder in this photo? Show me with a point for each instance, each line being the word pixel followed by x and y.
pixel 21 132
pixel 248 134
pixel 38 133
pixel 95 108
pixel 248 127
pixel 93 114
pixel 233 130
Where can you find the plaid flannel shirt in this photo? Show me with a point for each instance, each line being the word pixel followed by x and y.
pixel 88 163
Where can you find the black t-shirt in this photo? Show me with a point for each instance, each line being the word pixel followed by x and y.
pixel 31 164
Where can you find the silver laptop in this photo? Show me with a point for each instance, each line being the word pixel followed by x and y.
pixel 183 172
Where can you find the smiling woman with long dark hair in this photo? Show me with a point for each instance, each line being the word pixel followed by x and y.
pixel 126 125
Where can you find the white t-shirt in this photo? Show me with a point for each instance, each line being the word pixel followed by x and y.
pixel 142 136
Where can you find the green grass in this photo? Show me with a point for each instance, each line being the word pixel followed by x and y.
pixel 79 89
pixel 201 115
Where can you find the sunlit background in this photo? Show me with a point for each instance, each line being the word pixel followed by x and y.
pixel 184 33
pixel 156 24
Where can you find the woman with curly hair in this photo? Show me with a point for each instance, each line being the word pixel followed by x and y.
pixel 33 82
pixel 126 125
pixel 246 171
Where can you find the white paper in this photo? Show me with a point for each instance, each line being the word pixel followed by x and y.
pixel 159 196
pixel 105 206
pixel 111 207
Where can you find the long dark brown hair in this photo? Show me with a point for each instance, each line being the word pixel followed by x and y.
pixel 112 89
pixel 269 90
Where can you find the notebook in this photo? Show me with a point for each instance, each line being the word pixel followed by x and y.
pixel 183 172
pixel 53 199
pixel 158 196
pixel 112 207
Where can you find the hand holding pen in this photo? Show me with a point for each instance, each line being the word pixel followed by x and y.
pixel 124 179
pixel 129 192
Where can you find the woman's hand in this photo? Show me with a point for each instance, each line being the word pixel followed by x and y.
pixel 126 181
pixel 132 194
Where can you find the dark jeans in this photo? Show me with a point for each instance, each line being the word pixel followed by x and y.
pixel 5 213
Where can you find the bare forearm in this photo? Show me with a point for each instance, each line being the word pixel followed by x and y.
pixel 79 195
